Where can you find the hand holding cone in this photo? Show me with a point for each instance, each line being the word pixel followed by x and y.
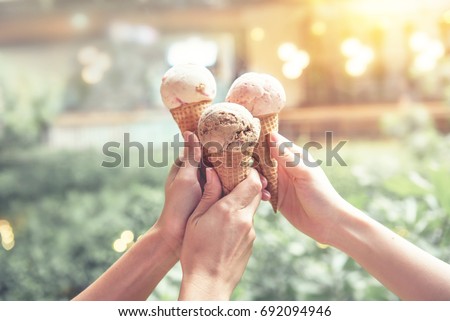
pixel 188 91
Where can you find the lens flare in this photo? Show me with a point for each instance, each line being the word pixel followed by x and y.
pixel 355 67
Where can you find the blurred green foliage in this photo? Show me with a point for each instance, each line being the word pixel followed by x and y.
pixel 66 211
pixel 28 103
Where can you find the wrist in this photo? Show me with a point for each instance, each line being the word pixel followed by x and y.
pixel 350 229
pixel 169 234
pixel 198 287
pixel 167 243
pixel 136 273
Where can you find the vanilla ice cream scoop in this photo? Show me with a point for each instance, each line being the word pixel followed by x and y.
pixel 261 94
pixel 185 84
pixel 226 126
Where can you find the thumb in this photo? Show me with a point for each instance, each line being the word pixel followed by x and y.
pixel 191 155
pixel 292 158
pixel 246 191
pixel 212 192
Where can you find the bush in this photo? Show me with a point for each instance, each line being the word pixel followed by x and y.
pixel 66 211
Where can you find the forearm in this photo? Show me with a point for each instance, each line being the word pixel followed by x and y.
pixel 402 267
pixel 135 275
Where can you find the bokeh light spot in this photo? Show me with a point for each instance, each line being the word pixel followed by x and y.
pixel 257 34
pixel 355 67
pixel 6 235
pixel 91 74
pixel 419 41
pixel 319 28
pixel 351 47
pixel 286 51
pixel 127 236
pixel 193 50
pixel 291 70
pixel 120 246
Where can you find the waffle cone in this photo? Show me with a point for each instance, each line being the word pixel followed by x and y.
pixel 187 116
pixel 267 166
pixel 232 167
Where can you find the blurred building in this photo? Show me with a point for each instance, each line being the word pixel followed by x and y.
pixel 109 55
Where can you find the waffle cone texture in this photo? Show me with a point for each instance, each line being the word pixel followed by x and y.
pixel 232 167
pixel 187 116
pixel 267 166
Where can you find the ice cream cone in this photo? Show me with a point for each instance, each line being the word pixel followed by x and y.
pixel 264 96
pixel 232 167
pixel 187 116
pixel 267 166
pixel 186 90
pixel 229 133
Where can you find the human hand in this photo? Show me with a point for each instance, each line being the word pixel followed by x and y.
pixel 219 238
pixel 306 197
pixel 182 194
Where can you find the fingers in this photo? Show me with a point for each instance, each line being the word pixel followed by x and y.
pixel 263 181
pixel 253 205
pixel 191 155
pixel 173 171
pixel 212 192
pixel 245 193
pixel 289 156
pixel 265 193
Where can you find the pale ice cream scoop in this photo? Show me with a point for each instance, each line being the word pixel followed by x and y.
pixel 185 84
pixel 261 94
pixel 226 127
pixel 264 96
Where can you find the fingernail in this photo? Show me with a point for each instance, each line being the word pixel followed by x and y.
pixel 263 181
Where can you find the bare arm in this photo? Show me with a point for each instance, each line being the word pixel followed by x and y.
pixel 405 269
pixel 135 275
pixel 311 204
